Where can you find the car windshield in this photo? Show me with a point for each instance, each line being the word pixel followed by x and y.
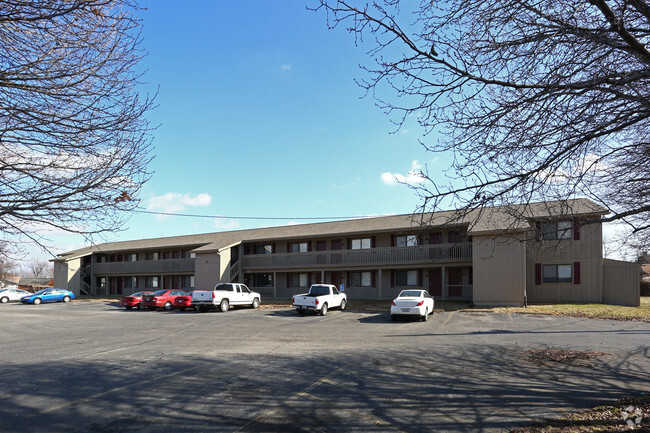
pixel 160 292
pixel 137 294
pixel 40 292
pixel 410 294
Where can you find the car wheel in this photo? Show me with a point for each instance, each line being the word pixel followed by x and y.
pixel 343 305
pixel 140 307
pixel 426 315
pixel 66 299
pixel 37 301
pixel 323 310
pixel 256 303
pixel 224 306
pixel 128 307
pixel 167 306
pixel 4 300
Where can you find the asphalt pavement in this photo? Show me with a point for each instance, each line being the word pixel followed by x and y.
pixel 95 367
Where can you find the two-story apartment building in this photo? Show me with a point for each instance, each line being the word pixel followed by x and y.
pixel 544 252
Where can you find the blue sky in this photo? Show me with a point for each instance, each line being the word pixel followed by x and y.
pixel 260 115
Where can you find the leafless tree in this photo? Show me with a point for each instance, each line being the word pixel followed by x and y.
pixel 74 140
pixel 534 99
pixel 39 269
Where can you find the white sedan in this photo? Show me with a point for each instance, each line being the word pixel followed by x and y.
pixel 7 295
pixel 412 303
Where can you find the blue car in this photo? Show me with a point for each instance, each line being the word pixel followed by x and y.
pixel 48 295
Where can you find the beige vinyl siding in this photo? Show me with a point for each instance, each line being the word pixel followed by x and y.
pixel 206 274
pixel 499 270
pixel 621 283
pixel 587 251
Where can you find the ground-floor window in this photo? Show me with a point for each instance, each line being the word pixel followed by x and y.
pixel 361 279
pixel 151 282
pixel 406 278
pixel 260 280
pixel 299 280
pixel 557 274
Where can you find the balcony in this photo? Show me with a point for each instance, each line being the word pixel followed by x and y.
pixel 424 254
pixel 164 266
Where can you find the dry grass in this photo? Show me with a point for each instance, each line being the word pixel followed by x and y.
pixel 594 311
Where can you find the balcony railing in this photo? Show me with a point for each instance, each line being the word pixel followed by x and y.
pixel 438 253
pixel 146 266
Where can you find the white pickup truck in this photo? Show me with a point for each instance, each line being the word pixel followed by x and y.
pixel 320 298
pixel 223 296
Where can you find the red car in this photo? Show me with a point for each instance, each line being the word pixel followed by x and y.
pixel 133 300
pixel 183 302
pixel 161 299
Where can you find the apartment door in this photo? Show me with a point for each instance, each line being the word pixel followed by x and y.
pixel 455 282
pixel 336 278
pixel 435 282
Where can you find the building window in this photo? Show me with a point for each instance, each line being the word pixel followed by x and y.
pixel 299 280
pixel 361 279
pixel 557 230
pixel 361 244
pixel 129 282
pixel 558 274
pixel 265 249
pixel 263 280
pixel 406 278
pixel 299 247
pixel 151 255
pixel 407 241
pixel 151 282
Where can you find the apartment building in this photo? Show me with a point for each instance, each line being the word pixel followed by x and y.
pixel 542 252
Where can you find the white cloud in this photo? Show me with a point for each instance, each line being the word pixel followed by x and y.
pixel 413 177
pixel 285 68
pixel 173 202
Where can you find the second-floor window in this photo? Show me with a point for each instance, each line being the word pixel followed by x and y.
pixel 299 247
pixel 361 244
pixel 407 241
pixel 264 249
pixel 151 255
pixel 557 230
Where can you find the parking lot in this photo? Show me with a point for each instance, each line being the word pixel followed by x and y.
pixel 94 367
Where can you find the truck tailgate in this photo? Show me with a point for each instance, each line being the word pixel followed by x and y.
pixel 202 296
pixel 309 301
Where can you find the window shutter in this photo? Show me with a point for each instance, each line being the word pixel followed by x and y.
pixel 392 278
pixel 288 280
pixel 373 242
pixel 576 230
pixel 373 279
pixel 349 244
pixel 273 247
pixel 576 273
pixel 392 240
pixel 308 245
pixel 419 277
pixel 538 231
pixel 288 247
pixel 538 274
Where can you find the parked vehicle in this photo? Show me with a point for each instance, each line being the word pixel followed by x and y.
pixel 7 295
pixel 223 296
pixel 48 295
pixel 161 299
pixel 320 299
pixel 133 300
pixel 183 302
pixel 417 303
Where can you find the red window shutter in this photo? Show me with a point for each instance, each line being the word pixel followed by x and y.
pixel 538 231
pixel 373 279
pixel 273 247
pixel 392 240
pixel 349 244
pixel 373 242
pixel 392 278
pixel 576 230
pixel 288 280
pixel 420 279
pixel 538 274
pixel 308 245
pixel 576 273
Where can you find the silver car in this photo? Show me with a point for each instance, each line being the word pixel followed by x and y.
pixel 7 295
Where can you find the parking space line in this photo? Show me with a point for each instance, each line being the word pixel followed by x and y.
pixel 449 318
